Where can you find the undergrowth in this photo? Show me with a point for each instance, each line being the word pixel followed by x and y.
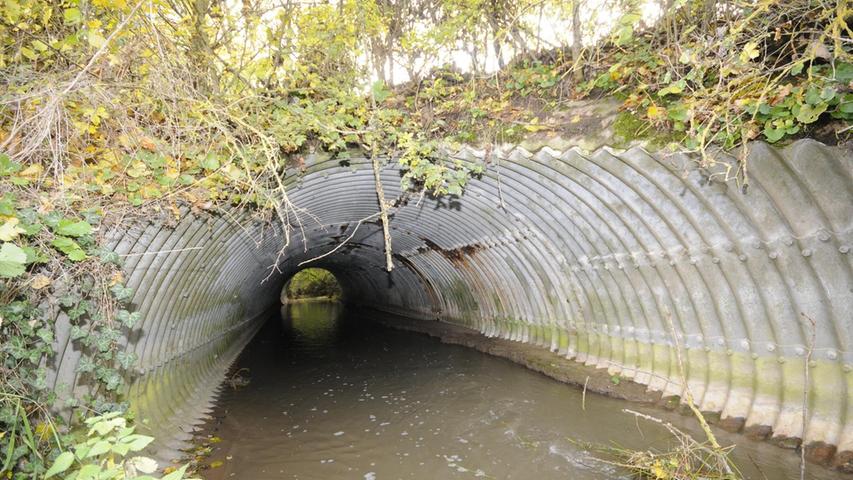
pixel 686 459
pixel 313 283
pixel 769 70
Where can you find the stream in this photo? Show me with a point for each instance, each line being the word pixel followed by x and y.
pixel 332 395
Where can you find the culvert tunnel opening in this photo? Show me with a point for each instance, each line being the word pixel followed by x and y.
pixel 312 283
pixel 590 258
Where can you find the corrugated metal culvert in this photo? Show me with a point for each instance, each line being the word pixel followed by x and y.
pixel 598 256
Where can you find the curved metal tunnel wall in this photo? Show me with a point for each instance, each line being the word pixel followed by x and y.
pixel 599 256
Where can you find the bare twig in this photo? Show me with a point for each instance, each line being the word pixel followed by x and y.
pixel 383 212
pixel 354 230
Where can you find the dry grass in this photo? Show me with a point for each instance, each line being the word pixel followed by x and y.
pixel 687 459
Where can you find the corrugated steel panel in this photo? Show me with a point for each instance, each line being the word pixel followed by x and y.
pixel 598 256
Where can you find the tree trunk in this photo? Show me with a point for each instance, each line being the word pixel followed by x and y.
pixel 200 49
pixel 577 43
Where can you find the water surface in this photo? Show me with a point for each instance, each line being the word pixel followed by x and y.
pixel 334 396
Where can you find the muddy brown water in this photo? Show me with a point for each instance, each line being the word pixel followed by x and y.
pixel 335 396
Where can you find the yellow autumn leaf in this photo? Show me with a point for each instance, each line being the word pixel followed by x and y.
pixel 31 172
pixel 39 281
pixel 115 4
pixel 653 112
pixel 10 230
pixel 150 191
pixel 750 51
pixel 138 169
pixel 116 278
pixel 232 171
pixel 95 39
pixel 44 430
pixel 125 141
pixel 109 157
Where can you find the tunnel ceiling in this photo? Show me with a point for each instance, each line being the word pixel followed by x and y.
pixel 597 256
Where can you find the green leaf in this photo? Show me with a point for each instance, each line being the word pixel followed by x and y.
pixel 107 416
pixel 844 72
pixel 52 219
pixel 108 256
pixel 809 113
pixel 85 365
pixel 210 162
pixel 77 332
pixel 29 53
pixel 46 335
pixel 773 134
pixel 797 68
pixel 106 426
pixel 31 229
pixel 677 112
pixel 625 31
pixel 813 95
pixel 61 464
pixel 120 449
pixel 128 319
pixel 70 228
pixel 34 256
pixel 674 88
pixel 12 260
pixel 126 360
pixel 72 16
pixel 121 293
pixel 7 166
pixel 89 472
pixel 99 448
pixel 153 160
pixel 81 450
pixel 7 205
pixel 827 93
pixel 70 248
pixel 137 442
pixel 379 91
